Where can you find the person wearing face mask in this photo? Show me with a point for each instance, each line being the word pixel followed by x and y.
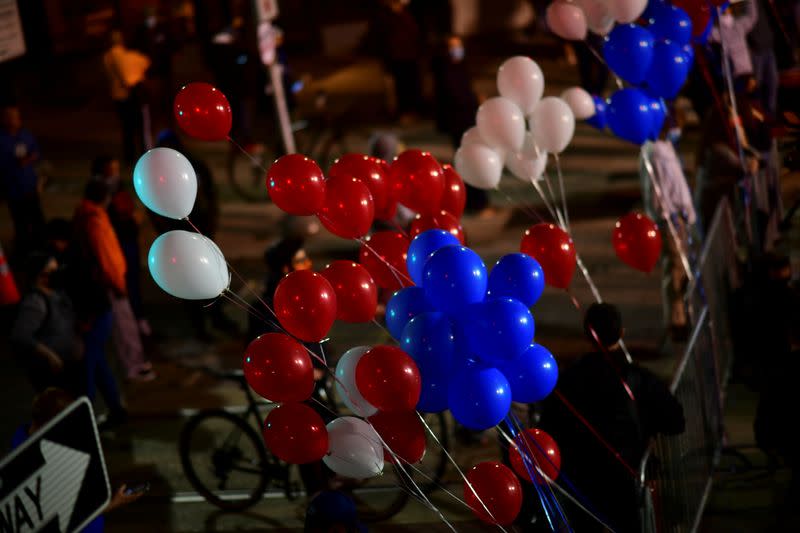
pixel 456 104
pixel 731 31
pixel 44 336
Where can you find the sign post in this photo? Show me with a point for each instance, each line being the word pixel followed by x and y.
pixel 267 11
pixel 57 480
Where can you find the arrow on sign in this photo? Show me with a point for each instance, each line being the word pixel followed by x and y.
pixel 50 492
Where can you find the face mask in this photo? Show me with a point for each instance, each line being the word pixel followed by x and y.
pixel 457 54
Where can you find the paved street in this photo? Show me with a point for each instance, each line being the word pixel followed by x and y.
pixel 601 183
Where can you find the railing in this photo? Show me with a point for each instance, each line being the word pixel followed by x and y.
pixel 676 473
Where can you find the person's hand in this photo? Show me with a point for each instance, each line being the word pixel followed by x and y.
pixel 120 498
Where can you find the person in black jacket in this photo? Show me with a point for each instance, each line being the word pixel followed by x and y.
pixel 597 387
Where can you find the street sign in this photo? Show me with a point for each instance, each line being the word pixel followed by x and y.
pixel 12 41
pixel 57 480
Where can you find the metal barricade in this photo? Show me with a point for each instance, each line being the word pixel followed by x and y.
pixel 677 471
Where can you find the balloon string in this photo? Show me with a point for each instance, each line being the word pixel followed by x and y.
pixel 561 186
pixel 383 328
pixel 531 468
pixel 602 60
pixel 458 469
pixel 254 160
pixel 547 489
pixel 597 435
pixel 648 165
pixel 395 272
pixel 566 494
pixel 540 481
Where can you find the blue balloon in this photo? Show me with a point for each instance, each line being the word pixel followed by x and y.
pixel 497 329
pixel 517 276
pixel 668 72
pixel 423 246
pixel 598 120
pixel 429 340
pixel 628 51
pixel 404 305
pixel 479 397
pixel 629 115
pixel 670 23
pixel 532 375
pixel 688 51
pixel 658 114
pixel 454 277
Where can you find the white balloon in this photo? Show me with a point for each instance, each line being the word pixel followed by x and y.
pixel 626 11
pixel 598 17
pixel 581 102
pixel 567 20
pixel 472 136
pixel 346 382
pixel 355 449
pixel 552 125
pixel 188 265
pixel 521 80
pixel 529 163
pixel 165 182
pixel 501 123
pixel 479 166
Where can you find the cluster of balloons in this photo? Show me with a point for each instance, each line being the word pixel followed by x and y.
pixel 519 128
pixel 470 332
pixel 361 188
pixel 279 368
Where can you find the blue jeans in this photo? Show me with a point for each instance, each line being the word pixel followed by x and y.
pixel 98 373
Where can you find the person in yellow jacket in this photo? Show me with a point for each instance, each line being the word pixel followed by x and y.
pixel 126 71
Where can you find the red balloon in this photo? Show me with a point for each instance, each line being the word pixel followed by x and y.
pixel 497 488
pixel 417 181
pixel 203 112
pixel 356 293
pixel 441 220
pixel 540 450
pixel 388 378
pixel 552 247
pixel 384 255
pixel 306 305
pixel 455 192
pixel 279 368
pixel 296 185
pixel 637 241
pixel 403 433
pixel 348 210
pixel 296 434
pixel 698 11
pixel 367 170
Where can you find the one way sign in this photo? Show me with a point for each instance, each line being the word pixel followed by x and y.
pixel 57 480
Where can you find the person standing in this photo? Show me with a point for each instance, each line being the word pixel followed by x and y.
pixel 668 200
pixel 399 38
pixel 97 275
pixel 626 404
pixel 765 63
pixel 20 185
pixel 44 336
pixel 731 31
pixel 126 71
pixel 456 104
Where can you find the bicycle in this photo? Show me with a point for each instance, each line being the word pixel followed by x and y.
pixel 219 448
pixel 318 136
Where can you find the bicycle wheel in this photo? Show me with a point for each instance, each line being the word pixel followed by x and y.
pixel 224 459
pixel 246 174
